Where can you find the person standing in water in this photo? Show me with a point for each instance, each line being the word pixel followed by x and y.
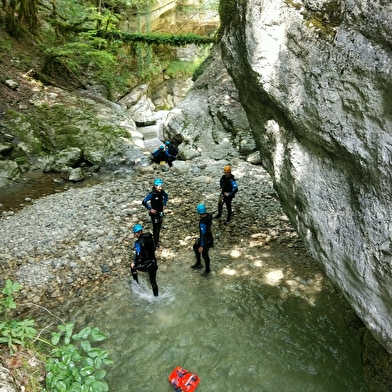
pixel 144 259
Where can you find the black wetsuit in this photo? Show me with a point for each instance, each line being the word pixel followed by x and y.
pixel 206 240
pixel 159 156
pixel 228 184
pixel 157 201
pixel 171 154
pixel 145 260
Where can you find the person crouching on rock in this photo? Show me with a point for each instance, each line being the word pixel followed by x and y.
pixel 159 155
pixel 145 259
pixel 171 153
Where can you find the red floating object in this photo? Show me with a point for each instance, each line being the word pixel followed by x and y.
pixel 183 381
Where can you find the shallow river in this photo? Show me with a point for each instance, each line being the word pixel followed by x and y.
pixel 236 330
pixel 267 323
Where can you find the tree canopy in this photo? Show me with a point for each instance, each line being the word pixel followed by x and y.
pixel 83 39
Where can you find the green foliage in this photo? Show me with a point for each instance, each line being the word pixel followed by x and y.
pixel 82 44
pixel 7 301
pixel 161 38
pixel 179 68
pixel 12 332
pixel 77 366
pixel 82 59
pixel 202 67
pixel 5 46
pixel 73 363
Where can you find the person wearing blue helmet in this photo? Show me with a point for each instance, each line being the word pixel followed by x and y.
pixel 205 241
pixel 171 153
pixel 144 259
pixel 155 202
pixel 159 155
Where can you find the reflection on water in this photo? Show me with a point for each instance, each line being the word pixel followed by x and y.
pixel 238 333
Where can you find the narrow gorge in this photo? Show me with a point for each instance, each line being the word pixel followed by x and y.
pixel 302 87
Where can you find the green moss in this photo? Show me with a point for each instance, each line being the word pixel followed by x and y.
pixel 5 46
pixel 181 68
pixel 323 21
pixel 227 13
pixel 326 31
pixel 25 130
pixel 293 4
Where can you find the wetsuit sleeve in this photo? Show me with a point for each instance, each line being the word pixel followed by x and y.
pixel 146 200
pixel 221 182
pixel 234 187
pixel 137 253
pixel 203 231
pixel 165 198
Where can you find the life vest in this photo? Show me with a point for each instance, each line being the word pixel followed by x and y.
pixel 183 381
pixel 157 200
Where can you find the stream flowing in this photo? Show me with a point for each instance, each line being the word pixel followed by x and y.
pixel 236 330
pixel 263 322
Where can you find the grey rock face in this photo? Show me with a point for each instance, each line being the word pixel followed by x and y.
pixel 210 119
pixel 6 381
pixel 9 171
pixel 315 80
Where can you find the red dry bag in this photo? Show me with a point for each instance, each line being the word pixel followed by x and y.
pixel 183 381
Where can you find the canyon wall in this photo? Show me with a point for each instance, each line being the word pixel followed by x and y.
pixel 315 80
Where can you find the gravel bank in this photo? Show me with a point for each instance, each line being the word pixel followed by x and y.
pixel 65 247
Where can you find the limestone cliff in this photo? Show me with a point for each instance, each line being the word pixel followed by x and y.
pixel 315 79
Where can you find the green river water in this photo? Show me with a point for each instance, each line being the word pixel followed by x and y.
pixel 238 331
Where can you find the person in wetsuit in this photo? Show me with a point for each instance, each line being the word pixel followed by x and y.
pixel 205 241
pixel 229 188
pixel 159 155
pixel 155 202
pixel 145 259
pixel 171 153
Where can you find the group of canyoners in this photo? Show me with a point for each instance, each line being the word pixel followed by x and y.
pixel 155 202
pixel 167 153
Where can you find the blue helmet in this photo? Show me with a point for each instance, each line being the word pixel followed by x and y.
pixel 161 147
pixel 158 182
pixel 137 228
pixel 167 142
pixel 201 209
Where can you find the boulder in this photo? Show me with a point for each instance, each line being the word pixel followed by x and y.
pixel 9 172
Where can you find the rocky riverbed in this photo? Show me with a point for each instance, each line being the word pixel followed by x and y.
pixel 67 247
pixel 63 247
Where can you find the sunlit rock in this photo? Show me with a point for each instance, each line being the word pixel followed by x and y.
pixel 315 80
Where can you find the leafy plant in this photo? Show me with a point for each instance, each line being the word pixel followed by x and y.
pixel 72 364
pixel 77 366
pixel 7 301
pixel 12 332
pixel 179 68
